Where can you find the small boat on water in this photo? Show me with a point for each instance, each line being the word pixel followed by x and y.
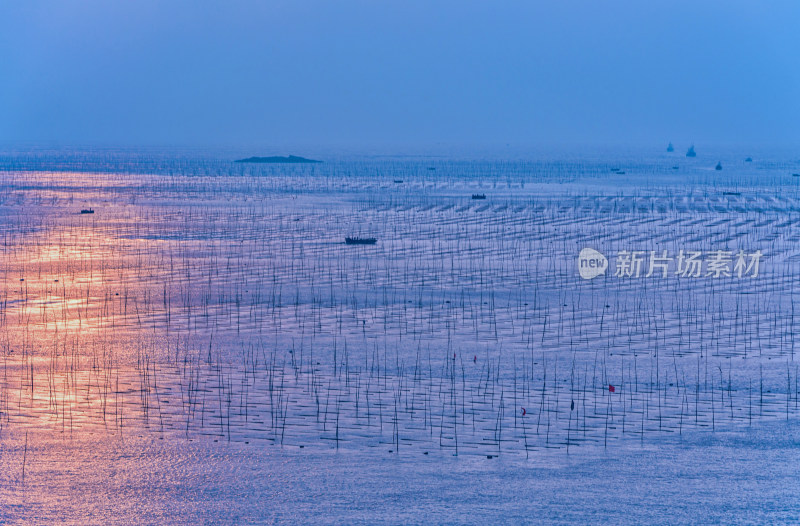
pixel 360 240
pixel 87 211
pixel 691 152
pixel 749 160
pixel 670 148
pixel 479 196
pixel 718 167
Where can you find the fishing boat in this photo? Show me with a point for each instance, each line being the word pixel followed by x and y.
pixel 479 196
pixel 87 211
pixel 360 240
pixel 691 152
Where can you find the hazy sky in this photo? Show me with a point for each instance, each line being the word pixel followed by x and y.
pixel 408 72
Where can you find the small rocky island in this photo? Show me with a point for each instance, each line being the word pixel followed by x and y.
pixel 277 159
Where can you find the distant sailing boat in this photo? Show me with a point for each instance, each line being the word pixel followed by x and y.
pixel 718 166
pixel 691 152
pixel 670 148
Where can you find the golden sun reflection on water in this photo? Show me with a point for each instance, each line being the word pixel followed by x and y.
pixel 78 297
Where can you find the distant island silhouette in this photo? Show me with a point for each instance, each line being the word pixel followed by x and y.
pixel 277 159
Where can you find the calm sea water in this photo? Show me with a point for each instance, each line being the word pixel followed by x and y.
pixel 204 347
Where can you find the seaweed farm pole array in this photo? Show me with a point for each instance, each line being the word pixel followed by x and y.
pixel 238 313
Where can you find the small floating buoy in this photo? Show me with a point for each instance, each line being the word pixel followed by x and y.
pixel 524 412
